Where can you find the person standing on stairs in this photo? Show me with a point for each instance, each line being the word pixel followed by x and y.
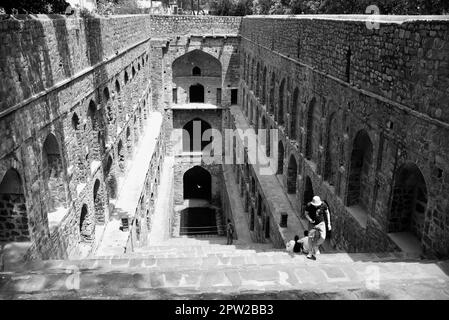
pixel 317 212
pixel 229 231
pixel 317 235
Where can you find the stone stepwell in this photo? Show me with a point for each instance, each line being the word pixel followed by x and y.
pixel 187 268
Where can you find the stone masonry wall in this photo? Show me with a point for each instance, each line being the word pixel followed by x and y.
pixel 85 81
pixel 391 87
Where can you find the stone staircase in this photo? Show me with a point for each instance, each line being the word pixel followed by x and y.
pixel 181 268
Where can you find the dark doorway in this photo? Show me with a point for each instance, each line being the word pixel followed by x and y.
pixel 196 221
pixel 359 174
pixel 292 175
pixel 280 158
pixel 14 217
pixel 197 184
pixel 251 225
pixel 196 93
pixel 267 227
pixel 308 191
pixel 196 71
pixel 409 204
pixel 192 139
pixel 234 95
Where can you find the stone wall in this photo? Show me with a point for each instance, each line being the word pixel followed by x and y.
pixel 224 49
pixel 321 81
pixel 85 82
pixel 142 223
pixel 384 89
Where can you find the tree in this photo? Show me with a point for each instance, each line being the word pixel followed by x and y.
pixel 262 6
pixel 35 6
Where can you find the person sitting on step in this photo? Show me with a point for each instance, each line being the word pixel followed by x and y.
pixel 293 246
pixel 304 242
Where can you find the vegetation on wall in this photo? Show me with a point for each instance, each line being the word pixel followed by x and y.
pixel 398 7
pixel 245 7
pixel 34 6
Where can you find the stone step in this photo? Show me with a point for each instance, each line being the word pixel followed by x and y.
pixel 203 261
pixel 392 280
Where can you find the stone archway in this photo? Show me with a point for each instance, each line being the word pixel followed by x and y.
pixel 409 202
pixel 308 191
pixel 87 225
pixel 53 174
pixel 280 158
pixel 98 197
pixel 197 184
pixel 292 175
pixel 192 135
pixel 360 167
pixel 309 150
pixel 14 217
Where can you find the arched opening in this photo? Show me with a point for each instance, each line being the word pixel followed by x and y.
pixel 198 218
pixel 267 136
pixel 75 122
pixel 185 72
pixel 272 86
pixel 192 135
pixel 53 174
pixel 121 156
pixel 259 205
pixel 207 64
pixel 280 158
pixel 361 160
pixel 257 79
pixel 280 113
pixel 197 184
pixel 87 226
pixel 308 191
pixel 98 202
pixel 310 130
pixel 13 217
pixel 409 202
pixel 117 86
pixel 251 224
pixel 129 142
pixel 106 95
pixel 196 93
pixel 133 72
pixel 332 149
pixel 292 175
pixel 267 227
pixel 92 114
pixel 126 77
pixel 294 117
pixel 196 71
pixel 264 86
pixel 111 181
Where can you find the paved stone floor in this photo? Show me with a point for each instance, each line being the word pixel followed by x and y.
pixel 185 268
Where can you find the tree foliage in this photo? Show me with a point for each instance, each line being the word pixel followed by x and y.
pixel 397 7
pixel 34 6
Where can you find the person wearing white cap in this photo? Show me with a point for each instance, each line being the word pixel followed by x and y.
pixel 311 209
pixel 318 215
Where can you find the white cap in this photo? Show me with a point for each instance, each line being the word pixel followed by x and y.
pixel 316 201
